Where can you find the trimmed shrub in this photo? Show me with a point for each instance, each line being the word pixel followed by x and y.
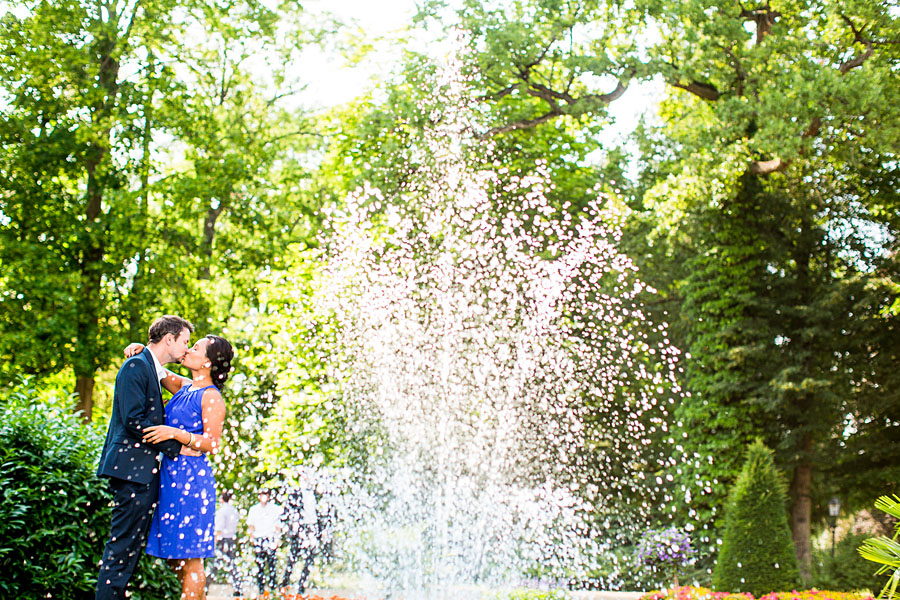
pixel 54 514
pixel 757 553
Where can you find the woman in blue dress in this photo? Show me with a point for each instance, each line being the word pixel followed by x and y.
pixel 183 527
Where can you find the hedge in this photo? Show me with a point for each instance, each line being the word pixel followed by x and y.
pixel 54 513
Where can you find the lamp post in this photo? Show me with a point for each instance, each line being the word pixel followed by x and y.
pixel 834 509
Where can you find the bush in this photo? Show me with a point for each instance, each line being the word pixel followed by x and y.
pixel 848 570
pixel 757 554
pixel 54 517
pixel 665 552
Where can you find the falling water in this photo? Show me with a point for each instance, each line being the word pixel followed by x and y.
pixel 501 357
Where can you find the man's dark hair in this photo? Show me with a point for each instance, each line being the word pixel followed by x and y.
pixel 168 324
pixel 227 496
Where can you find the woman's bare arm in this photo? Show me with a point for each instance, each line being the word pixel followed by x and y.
pixel 174 382
pixel 213 408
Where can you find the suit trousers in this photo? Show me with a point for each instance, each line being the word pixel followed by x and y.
pixel 133 506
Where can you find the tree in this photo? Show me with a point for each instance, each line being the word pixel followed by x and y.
pixel 757 554
pixel 764 184
pixel 101 226
pixel 55 512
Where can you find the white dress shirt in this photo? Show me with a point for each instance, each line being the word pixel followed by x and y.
pixel 308 515
pixel 160 375
pixel 226 520
pixel 264 520
pixel 161 372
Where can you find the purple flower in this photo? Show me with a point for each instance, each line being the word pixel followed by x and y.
pixel 666 548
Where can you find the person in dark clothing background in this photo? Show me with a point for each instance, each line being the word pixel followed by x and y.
pixel 301 527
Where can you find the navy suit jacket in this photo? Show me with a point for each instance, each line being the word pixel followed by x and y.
pixel 137 403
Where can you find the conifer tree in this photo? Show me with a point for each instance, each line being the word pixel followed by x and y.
pixel 757 553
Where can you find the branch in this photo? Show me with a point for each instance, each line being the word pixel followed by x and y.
pixel 539 90
pixel 522 124
pixel 859 38
pixel 814 127
pixel 550 96
pixel 776 165
pixel 764 17
pixel 767 167
pixel 525 69
pixel 859 60
pixel 739 71
pixel 621 86
pixel 292 134
pixel 704 90
pixel 289 92
pixel 698 88
pixel 497 95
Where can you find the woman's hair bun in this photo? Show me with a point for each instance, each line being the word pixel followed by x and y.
pixel 220 355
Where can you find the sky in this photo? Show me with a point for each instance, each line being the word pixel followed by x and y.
pixel 333 82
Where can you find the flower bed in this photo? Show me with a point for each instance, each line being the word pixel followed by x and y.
pixel 699 593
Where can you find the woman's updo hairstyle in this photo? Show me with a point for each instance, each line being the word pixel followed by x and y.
pixel 219 354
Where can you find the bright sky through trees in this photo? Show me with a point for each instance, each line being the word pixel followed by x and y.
pixel 335 78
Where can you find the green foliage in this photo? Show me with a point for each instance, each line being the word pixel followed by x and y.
pixel 886 551
pixel 304 421
pixel 535 65
pixel 847 571
pixel 770 282
pixel 768 273
pixel 757 554
pixel 150 170
pixel 54 518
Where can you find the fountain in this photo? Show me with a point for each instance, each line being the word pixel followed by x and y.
pixel 490 352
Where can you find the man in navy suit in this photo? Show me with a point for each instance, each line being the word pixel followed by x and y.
pixel 131 465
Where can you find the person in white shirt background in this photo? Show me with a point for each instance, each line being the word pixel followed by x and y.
pixel 264 528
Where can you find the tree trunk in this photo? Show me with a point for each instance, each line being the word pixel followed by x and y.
pixel 84 388
pixel 93 241
pixel 801 509
pixel 209 231
pixel 136 331
pixel 801 483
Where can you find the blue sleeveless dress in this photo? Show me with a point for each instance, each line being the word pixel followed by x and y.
pixel 183 525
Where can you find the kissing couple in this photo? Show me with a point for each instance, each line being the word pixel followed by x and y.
pixel 154 457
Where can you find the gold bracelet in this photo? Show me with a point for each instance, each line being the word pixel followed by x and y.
pixel 191 442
